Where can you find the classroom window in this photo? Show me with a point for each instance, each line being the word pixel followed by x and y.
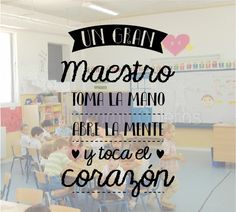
pixel 6 79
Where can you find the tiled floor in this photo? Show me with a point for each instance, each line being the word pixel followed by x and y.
pixel 197 179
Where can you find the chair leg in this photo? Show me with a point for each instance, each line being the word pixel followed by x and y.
pixel 3 192
pixel 27 170
pixel 22 172
pixel 158 202
pixel 144 205
pixel 8 190
pixel 46 199
pixel 26 162
pixel 12 163
pixel 127 207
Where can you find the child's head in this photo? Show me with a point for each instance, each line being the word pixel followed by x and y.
pixel 117 142
pixel 62 122
pixel 113 164
pixel 47 149
pixel 61 145
pixel 38 208
pixel 75 141
pixel 37 132
pixel 136 146
pixel 46 124
pixel 168 130
pixel 24 129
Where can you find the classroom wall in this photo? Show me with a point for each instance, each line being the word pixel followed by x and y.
pixel 32 59
pixel 211 32
pixel 217 39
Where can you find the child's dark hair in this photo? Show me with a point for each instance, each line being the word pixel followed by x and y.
pixel 38 208
pixel 47 123
pixel 36 131
pixel 60 143
pixel 23 126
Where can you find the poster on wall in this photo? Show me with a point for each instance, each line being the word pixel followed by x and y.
pixel 126 106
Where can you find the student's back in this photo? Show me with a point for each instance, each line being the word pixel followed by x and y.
pixel 56 163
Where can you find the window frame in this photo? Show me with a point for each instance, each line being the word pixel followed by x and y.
pixel 14 73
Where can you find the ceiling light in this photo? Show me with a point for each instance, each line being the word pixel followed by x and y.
pixel 100 9
pixel 35 20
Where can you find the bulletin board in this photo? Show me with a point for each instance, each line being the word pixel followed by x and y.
pixel 11 118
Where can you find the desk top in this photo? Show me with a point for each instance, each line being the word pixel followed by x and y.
pixel 7 206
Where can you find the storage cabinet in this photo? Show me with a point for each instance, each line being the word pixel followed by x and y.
pixel 34 115
pixel 224 139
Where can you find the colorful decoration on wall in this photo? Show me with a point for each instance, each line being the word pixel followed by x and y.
pixel 202 65
pixel 176 44
pixel 11 118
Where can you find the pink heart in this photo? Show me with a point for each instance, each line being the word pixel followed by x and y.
pixel 175 44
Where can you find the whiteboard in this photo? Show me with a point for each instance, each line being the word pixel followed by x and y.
pixel 198 97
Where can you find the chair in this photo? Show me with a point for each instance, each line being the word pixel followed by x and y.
pixel 16 152
pixel 29 196
pixel 6 186
pixel 32 153
pixel 105 202
pixel 145 192
pixel 41 180
pixel 59 208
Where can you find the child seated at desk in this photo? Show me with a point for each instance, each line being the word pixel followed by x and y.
pixel 63 130
pixel 95 140
pixel 75 144
pixel 117 142
pixel 25 139
pixel 55 165
pixel 36 137
pixel 116 191
pixel 46 125
pixel 45 151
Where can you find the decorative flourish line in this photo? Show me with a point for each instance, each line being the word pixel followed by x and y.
pixel 113 192
pixel 148 141
pixel 101 114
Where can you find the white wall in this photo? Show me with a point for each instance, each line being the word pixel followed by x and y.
pixel 32 53
pixel 211 31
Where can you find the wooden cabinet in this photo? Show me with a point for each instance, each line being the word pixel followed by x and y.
pixel 224 139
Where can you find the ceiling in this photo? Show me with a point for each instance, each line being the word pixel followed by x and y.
pixel 73 9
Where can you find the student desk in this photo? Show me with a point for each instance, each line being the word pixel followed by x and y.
pixel 224 142
pixel 6 206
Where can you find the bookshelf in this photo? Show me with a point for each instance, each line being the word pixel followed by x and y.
pixel 34 115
